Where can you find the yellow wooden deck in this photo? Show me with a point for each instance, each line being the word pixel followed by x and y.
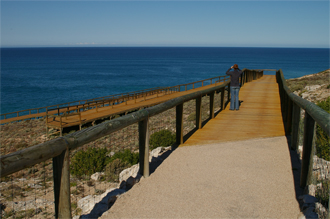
pixel 259 116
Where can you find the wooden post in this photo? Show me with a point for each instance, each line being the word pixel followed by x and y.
pixel 289 117
pixel 284 100
pixel 228 93
pixel 144 147
pixel 46 123
pixel 295 126
pixel 307 157
pixel 60 126
pixel 179 124
pixel 212 105
pixel 222 102
pixel 61 175
pixel 199 112
pixel 80 125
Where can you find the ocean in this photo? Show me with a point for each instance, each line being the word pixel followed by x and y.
pixel 38 77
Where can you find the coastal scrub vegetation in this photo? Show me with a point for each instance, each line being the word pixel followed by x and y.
pixel 162 138
pixel 92 160
pixel 88 162
pixel 299 84
pixel 322 139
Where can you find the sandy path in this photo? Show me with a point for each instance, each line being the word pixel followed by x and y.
pixel 244 179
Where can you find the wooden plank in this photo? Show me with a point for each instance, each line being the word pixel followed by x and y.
pixel 259 116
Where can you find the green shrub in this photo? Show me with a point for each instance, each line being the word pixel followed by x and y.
pixel 323 193
pixel 322 139
pixel 118 162
pixel 114 168
pixel 162 138
pixel 126 156
pixel 88 162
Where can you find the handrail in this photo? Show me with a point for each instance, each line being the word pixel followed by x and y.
pixel 59 148
pixel 318 114
pixel 30 156
pixel 291 109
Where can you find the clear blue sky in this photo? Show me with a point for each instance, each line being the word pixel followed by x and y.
pixel 165 23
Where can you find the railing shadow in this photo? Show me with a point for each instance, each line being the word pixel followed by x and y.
pixel 296 169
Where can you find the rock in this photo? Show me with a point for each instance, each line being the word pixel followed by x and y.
pixel 110 154
pixel 305 95
pixel 321 210
pixel 97 176
pixel 312 87
pixel 133 171
pixel 35 186
pixel 319 186
pixel 155 153
pixel 94 206
pixel 311 190
pixel 86 204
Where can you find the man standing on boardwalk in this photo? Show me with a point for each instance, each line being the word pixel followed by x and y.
pixel 234 86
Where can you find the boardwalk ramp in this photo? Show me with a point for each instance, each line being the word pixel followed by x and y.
pixel 237 166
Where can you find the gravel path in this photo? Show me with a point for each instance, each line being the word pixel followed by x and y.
pixel 243 179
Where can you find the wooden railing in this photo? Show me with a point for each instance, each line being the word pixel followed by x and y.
pixel 103 101
pixel 291 111
pixel 59 149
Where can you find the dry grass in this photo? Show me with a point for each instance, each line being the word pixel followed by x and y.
pixel 299 84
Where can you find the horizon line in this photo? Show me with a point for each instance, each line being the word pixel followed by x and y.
pixel 146 46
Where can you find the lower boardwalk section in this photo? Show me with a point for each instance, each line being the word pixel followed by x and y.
pixel 242 179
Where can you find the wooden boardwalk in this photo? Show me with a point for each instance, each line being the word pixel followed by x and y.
pixel 259 116
pixel 84 117
pixel 237 166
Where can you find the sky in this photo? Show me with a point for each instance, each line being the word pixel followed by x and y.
pixel 165 23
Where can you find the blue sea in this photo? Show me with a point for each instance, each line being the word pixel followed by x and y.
pixel 38 77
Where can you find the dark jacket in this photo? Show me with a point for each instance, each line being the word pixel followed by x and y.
pixel 234 76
